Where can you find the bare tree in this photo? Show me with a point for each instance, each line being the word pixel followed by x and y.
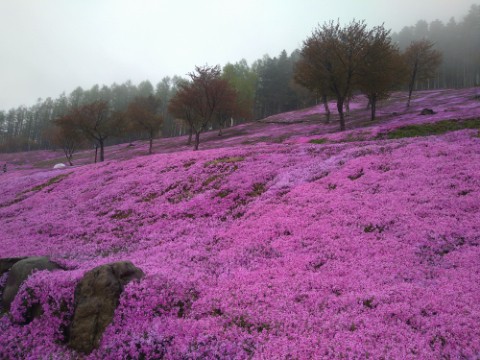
pixel 422 62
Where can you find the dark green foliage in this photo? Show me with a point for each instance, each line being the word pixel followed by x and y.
pixel 275 91
pixel 258 189
pixel 440 127
pixel 224 160
pixel 368 303
pixel 223 193
pixel 149 197
pixel 371 228
pixel 318 141
pixel 332 186
pixel 121 214
pixel 52 181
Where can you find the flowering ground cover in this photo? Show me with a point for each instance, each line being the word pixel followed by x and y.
pixel 368 248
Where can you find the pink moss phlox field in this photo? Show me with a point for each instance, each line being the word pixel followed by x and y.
pixel 268 251
pixel 23 334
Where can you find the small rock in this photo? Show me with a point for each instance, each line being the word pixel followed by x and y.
pixel 19 272
pixel 96 298
pixel 60 166
pixel 427 112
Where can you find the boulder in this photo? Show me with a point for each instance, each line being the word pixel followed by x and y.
pixel 7 263
pixel 19 272
pixel 427 112
pixel 60 166
pixel 96 298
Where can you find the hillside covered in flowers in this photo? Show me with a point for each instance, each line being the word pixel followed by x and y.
pixel 284 239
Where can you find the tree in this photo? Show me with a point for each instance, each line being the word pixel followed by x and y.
pixel 471 51
pixel 381 69
pixel 181 106
pixel 422 62
pixel 145 89
pixel 229 108
pixel 67 136
pixel 204 98
pixel 244 81
pixel 165 90
pixel 275 90
pixel 335 53
pixel 308 75
pixel 96 122
pixel 421 30
pixel 144 114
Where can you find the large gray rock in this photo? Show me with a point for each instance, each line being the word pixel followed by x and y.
pixel 19 272
pixel 96 298
pixel 7 263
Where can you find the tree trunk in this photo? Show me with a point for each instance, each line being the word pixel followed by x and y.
pixel 410 90
pixel 68 155
pixel 411 85
pixel 96 153
pixel 197 140
pixel 373 103
pixel 150 145
pixel 327 108
pixel 340 112
pixel 190 134
pixel 102 156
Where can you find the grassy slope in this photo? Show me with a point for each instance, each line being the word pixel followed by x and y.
pixel 263 244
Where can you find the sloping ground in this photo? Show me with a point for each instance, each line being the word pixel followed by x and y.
pixel 285 250
pixel 294 126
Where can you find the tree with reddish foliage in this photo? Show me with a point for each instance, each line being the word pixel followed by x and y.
pixel 382 69
pixel 67 136
pixel 144 114
pixel 307 75
pixel 96 122
pixel 333 56
pixel 229 108
pixel 422 62
pixel 181 107
pixel 204 99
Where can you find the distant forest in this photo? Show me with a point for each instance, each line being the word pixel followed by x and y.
pixel 267 86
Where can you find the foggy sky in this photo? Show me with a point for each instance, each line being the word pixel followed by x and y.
pixel 51 46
